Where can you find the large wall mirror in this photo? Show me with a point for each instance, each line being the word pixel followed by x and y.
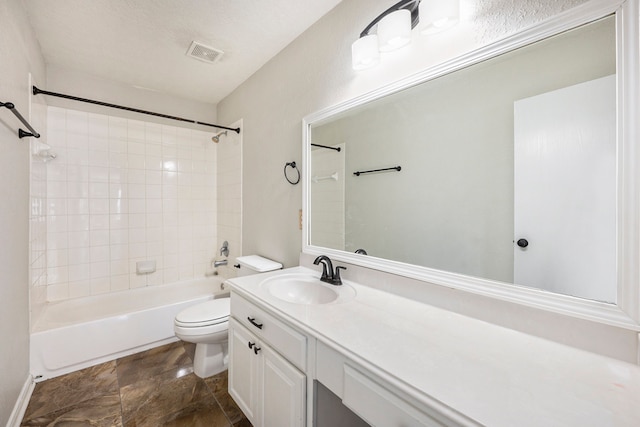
pixel 504 171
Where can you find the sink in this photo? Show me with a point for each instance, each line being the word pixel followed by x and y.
pixel 306 289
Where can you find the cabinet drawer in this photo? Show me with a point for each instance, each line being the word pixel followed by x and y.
pixel 287 341
pixel 378 406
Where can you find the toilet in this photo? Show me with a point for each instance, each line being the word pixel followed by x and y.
pixel 206 324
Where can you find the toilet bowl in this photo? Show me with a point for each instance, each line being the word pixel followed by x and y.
pixel 207 324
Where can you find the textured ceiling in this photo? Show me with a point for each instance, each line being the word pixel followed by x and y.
pixel 144 42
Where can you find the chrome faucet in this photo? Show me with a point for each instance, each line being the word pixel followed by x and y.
pixel 218 263
pixel 224 250
pixel 328 274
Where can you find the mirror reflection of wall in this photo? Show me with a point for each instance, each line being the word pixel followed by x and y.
pixel 327 196
pixel 452 206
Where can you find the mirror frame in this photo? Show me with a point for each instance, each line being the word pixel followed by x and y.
pixel 626 312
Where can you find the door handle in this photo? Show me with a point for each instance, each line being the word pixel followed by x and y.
pixel 523 243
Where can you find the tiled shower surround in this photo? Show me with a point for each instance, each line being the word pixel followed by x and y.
pixel 38 213
pixel 122 191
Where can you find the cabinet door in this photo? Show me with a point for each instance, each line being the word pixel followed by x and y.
pixel 244 367
pixel 283 390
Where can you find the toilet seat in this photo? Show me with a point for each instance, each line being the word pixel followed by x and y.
pixel 208 313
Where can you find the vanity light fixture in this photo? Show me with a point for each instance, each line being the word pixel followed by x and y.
pixel 436 16
pixel 394 25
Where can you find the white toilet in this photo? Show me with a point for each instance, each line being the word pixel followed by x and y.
pixel 206 324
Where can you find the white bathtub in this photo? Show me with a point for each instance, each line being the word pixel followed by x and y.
pixel 78 333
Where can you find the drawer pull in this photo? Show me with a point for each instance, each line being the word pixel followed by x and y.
pixel 254 323
pixel 256 349
pixel 251 344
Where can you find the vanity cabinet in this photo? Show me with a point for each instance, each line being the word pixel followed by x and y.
pixel 368 360
pixel 371 397
pixel 244 365
pixel 265 361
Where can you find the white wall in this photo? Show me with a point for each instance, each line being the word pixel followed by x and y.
pixel 314 72
pixel 71 82
pixel 19 56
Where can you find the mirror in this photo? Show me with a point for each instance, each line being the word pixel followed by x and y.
pixel 504 170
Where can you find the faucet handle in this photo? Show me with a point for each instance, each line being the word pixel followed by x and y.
pixel 337 280
pixel 224 250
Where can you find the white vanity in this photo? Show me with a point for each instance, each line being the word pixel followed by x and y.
pixel 269 360
pixel 394 361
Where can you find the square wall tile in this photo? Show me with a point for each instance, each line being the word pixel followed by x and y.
pixel 122 191
pixel 119 282
pixel 57 291
pixel 79 289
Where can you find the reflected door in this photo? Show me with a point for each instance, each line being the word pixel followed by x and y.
pixel 565 190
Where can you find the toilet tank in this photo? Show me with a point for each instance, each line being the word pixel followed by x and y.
pixel 253 264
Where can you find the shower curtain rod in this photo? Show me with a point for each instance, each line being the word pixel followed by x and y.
pixel 37 91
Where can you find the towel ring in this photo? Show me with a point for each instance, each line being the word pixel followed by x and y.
pixel 294 167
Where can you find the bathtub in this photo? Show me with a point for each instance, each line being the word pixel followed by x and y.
pixel 78 333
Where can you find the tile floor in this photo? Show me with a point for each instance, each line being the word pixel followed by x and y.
pixel 152 388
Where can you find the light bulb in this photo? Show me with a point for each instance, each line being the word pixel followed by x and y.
pixel 394 30
pixel 436 16
pixel 364 52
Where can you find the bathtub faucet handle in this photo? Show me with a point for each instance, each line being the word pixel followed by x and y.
pixel 224 250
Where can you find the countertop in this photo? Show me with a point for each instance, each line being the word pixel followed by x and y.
pixel 493 375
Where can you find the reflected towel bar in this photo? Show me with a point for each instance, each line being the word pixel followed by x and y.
pixel 21 133
pixel 333 176
pixel 395 168
pixel 37 91
pixel 326 146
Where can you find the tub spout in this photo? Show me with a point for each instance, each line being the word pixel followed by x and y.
pixel 218 263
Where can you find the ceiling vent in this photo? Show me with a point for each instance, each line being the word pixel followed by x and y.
pixel 204 53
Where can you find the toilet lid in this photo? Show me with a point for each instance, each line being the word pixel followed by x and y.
pixel 204 314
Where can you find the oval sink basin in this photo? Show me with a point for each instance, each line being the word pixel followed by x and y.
pixel 305 289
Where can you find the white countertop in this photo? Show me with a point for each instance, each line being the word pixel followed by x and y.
pixel 491 374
